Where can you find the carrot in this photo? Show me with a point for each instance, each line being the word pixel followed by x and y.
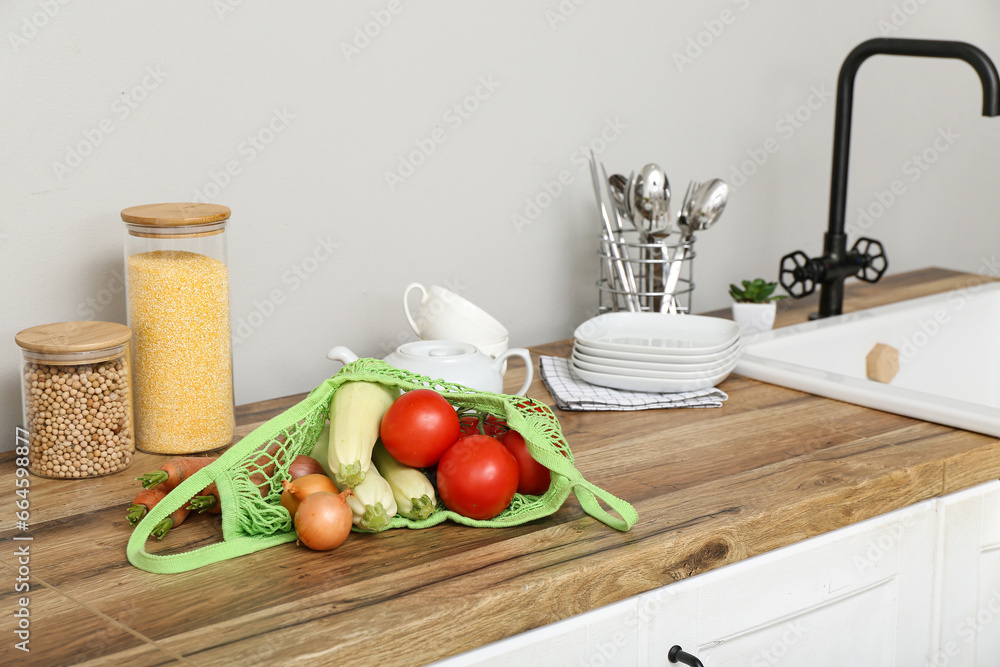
pixel 142 503
pixel 265 465
pixel 175 471
pixel 207 501
pixel 175 519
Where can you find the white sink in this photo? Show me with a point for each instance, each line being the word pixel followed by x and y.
pixel 949 358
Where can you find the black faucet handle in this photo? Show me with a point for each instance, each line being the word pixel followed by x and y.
pixel 799 274
pixel 870 258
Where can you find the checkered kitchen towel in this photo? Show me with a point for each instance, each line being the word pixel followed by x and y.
pixel 572 393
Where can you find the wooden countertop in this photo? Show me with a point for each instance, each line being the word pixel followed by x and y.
pixel 711 486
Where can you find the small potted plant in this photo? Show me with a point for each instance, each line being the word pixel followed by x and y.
pixel 754 305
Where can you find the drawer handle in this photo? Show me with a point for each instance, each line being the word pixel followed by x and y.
pixel 677 654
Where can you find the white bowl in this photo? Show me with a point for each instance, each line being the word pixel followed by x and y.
pixel 658 333
pixel 444 315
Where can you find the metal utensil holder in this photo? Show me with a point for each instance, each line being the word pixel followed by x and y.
pixel 649 263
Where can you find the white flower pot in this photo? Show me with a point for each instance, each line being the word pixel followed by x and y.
pixel 754 318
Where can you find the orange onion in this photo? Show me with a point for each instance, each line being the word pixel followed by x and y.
pixel 323 521
pixel 296 492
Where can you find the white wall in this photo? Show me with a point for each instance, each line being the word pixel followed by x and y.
pixel 558 83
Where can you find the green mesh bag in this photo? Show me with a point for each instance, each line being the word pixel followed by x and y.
pixel 249 474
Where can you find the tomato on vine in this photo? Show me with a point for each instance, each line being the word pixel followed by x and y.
pixel 477 423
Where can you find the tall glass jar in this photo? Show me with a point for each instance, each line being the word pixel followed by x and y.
pixel 177 278
pixel 76 393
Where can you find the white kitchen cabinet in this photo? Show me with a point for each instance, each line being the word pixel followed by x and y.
pixel 861 594
pixel 599 638
pixel 969 579
pixel 918 586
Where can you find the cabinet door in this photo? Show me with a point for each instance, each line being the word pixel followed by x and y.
pixel 599 638
pixel 969 579
pixel 840 598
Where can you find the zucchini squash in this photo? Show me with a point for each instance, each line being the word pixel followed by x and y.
pixel 372 504
pixel 321 451
pixel 413 492
pixel 356 411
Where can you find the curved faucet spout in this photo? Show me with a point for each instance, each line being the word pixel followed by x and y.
pixel 835 241
pixel 927 48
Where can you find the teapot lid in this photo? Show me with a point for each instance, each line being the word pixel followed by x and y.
pixel 438 350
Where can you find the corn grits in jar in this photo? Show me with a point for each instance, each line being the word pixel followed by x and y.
pixel 77 398
pixel 177 281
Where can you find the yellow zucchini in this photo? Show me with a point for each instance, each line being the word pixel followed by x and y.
pixel 413 492
pixel 372 504
pixel 356 412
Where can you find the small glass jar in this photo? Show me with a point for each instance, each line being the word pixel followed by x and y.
pixel 177 284
pixel 76 392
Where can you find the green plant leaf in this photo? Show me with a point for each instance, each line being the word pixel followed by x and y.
pixel 757 290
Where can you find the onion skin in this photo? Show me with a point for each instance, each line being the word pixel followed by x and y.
pixel 303 465
pixel 323 521
pixel 296 492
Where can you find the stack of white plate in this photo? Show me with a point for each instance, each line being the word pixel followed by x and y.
pixel 655 352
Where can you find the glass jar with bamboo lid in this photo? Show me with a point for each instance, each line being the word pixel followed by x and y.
pixel 177 280
pixel 76 392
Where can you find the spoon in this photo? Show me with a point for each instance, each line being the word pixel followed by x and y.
pixel 619 188
pixel 649 197
pixel 707 201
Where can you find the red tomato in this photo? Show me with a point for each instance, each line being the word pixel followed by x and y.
pixel 418 427
pixel 494 427
pixel 477 477
pixel 534 477
pixel 528 405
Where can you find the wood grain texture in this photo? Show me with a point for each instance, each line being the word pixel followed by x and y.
pixel 771 467
pixel 64 631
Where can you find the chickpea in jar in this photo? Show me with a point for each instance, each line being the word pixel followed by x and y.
pixel 78 416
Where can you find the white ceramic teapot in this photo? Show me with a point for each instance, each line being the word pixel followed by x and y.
pixel 452 361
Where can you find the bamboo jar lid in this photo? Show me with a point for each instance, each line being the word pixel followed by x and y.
pixel 175 220
pixel 74 342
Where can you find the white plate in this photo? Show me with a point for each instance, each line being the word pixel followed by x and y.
pixel 609 363
pixel 658 333
pixel 676 358
pixel 659 374
pixel 653 385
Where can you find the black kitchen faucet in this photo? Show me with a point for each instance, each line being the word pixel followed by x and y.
pixel 799 274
